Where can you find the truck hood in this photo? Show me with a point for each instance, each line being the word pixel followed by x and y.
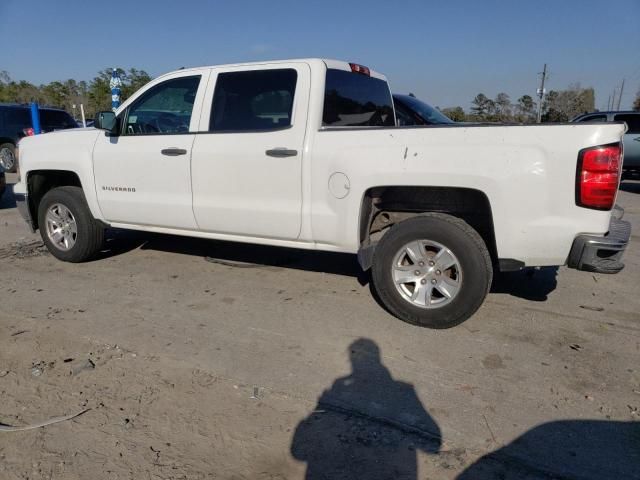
pixel 58 150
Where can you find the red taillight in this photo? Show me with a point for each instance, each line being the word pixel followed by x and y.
pixel 355 68
pixel 28 132
pixel 598 176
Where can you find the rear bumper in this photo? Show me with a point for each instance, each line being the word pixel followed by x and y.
pixel 602 253
pixel 22 203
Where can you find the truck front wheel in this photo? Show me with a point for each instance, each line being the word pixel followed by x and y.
pixel 67 227
pixel 432 270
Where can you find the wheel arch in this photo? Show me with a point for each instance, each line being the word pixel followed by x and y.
pixel 39 182
pixel 383 206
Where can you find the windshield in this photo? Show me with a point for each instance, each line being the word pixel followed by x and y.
pixel 429 114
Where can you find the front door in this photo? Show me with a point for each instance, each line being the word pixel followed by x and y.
pixel 247 167
pixel 143 176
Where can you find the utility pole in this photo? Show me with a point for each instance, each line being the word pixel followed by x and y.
pixel 541 94
pixel 620 96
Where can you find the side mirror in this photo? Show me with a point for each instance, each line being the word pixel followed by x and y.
pixel 106 121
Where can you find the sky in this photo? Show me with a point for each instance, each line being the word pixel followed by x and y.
pixel 445 52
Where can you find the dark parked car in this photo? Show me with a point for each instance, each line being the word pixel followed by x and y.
pixel 3 182
pixel 411 111
pixel 15 123
pixel 631 165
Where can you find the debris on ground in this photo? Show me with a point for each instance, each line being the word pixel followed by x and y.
pixel 23 249
pixel 593 309
pixel 10 428
pixel 88 364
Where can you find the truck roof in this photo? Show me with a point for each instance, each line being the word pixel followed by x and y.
pixel 330 63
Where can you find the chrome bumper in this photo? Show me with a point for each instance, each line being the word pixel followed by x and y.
pixel 602 253
pixel 22 203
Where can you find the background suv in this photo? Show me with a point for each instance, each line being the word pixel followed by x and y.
pixel 15 123
pixel 631 139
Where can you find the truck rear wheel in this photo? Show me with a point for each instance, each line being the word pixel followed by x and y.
pixel 67 227
pixel 432 270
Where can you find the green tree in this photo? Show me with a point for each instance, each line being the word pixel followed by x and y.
pixel 526 109
pixel 636 102
pixel 70 93
pixel 563 105
pixel 455 113
pixel 502 105
pixel 482 107
pixel 99 92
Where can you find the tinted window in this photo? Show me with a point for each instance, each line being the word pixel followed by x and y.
pixel 594 118
pixel 354 99
pixel 633 121
pixel 56 120
pixel 255 100
pixel 18 116
pixel 423 111
pixel 405 116
pixel 165 109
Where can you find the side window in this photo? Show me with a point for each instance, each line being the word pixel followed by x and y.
pixel 164 109
pixel 354 100
pixel 633 122
pixel 256 100
pixel 594 118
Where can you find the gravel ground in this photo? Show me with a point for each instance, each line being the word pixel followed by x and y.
pixel 201 359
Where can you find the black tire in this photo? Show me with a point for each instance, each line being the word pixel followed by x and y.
pixel 90 233
pixel 11 147
pixel 463 241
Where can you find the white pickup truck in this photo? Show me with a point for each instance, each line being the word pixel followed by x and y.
pixel 307 154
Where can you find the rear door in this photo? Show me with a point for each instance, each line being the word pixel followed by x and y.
pixel 247 164
pixel 143 176
pixel 631 139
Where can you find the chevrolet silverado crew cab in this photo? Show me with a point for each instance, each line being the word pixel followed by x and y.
pixel 307 154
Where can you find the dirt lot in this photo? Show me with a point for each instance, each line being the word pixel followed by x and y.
pixel 286 365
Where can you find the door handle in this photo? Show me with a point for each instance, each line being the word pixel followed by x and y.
pixel 173 152
pixel 637 139
pixel 281 152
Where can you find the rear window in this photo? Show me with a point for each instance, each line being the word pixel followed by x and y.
pixel 56 119
pixel 633 121
pixel 356 100
pixel 18 116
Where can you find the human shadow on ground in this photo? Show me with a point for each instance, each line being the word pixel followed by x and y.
pixel 530 284
pixel 569 449
pixel 367 425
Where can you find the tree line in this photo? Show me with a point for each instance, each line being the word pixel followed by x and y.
pixel 95 95
pixel 557 106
